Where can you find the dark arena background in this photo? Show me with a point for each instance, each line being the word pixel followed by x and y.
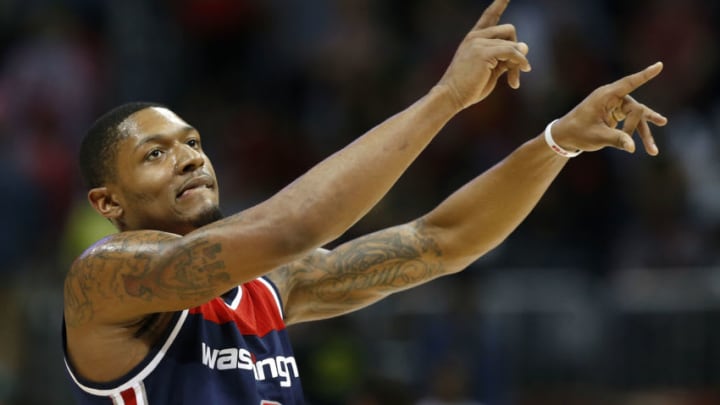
pixel 609 293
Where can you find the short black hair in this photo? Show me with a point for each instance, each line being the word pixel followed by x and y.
pixel 99 147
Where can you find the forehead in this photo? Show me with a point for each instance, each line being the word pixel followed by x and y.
pixel 152 121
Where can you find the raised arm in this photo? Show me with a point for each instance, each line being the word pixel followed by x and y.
pixel 136 273
pixel 469 223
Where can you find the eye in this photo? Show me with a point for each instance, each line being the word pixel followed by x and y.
pixel 154 154
pixel 193 143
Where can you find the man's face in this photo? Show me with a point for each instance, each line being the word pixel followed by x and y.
pixel 164 179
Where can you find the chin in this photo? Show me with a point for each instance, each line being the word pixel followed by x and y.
pixel 206 217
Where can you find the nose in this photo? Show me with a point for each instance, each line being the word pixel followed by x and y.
pixel 189 159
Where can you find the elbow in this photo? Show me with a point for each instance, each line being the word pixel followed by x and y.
pixel 460 244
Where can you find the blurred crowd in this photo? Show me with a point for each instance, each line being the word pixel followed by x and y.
pixel 275 86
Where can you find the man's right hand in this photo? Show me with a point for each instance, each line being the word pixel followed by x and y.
pixel 486 52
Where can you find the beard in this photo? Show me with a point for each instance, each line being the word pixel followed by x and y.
pixel 208 217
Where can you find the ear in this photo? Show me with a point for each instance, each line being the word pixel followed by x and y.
pixel 105 203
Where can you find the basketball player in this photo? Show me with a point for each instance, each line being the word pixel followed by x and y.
pixel 184 307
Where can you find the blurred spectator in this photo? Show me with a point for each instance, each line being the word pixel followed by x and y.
pixel 449 385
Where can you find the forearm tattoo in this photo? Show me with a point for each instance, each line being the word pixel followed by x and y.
pixel 192 272
pixel 377 265
pixel 112 273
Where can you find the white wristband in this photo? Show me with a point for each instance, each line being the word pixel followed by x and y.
pixel 554 146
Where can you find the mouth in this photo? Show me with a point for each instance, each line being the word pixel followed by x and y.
pixel 194 184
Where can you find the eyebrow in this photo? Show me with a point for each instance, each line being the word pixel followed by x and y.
pixel 185 129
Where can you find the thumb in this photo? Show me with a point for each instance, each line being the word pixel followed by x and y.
pixel 619 139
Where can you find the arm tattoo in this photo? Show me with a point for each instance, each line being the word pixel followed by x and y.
pixel 193 272
pixel 379 264
pixel 78 305
pixel 129 266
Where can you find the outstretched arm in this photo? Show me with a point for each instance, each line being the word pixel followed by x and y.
pixel 469 223
pixel 135 273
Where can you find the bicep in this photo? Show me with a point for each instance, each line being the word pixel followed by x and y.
pixel 360 272
pixel 135 273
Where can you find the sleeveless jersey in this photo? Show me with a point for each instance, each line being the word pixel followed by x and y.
pixel 230 350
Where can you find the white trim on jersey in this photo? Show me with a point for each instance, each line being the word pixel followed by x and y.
pixel 135 382
pixel 274 294
pixel 236 301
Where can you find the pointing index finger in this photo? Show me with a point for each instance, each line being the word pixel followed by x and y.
pixel 629 83
pixel 492 14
